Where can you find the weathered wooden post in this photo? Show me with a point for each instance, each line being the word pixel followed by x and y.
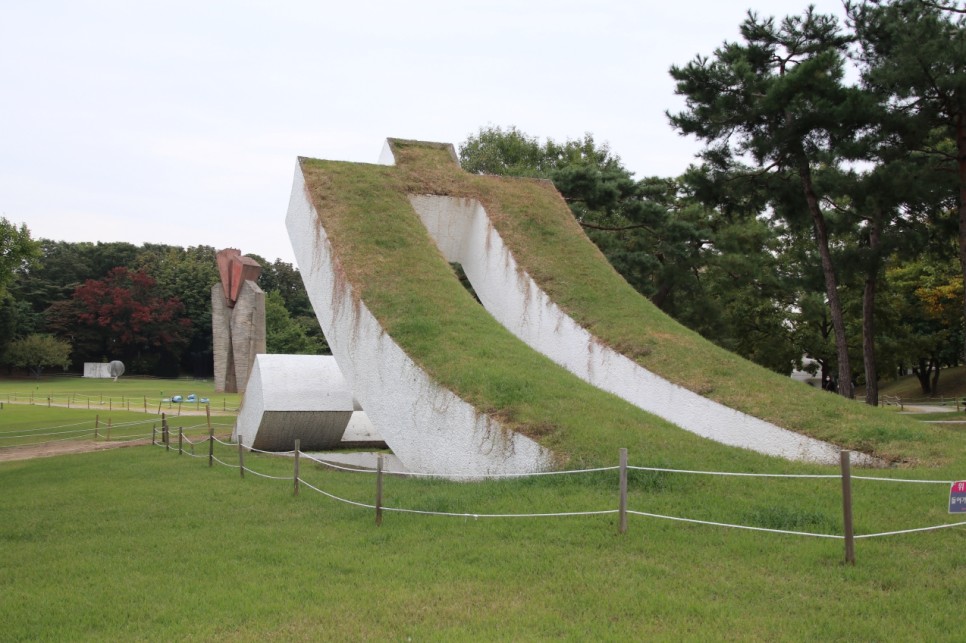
pixel 295 476
pixel 622 503
pixel 379 490
pixel 241 457
pixel 847 506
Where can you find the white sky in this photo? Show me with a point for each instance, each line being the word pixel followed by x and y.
pixel 179 122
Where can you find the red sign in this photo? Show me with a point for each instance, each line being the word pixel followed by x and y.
pixel 957 497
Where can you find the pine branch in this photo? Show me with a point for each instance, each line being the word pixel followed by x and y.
pixel 942 6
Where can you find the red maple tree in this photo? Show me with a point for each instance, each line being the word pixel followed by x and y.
pixel 130 314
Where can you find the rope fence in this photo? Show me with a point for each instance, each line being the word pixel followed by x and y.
pixel 134 403
pixel 622 510
pixel 96 430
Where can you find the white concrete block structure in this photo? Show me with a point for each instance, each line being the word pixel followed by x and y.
pixel 99 370
pixel 291 397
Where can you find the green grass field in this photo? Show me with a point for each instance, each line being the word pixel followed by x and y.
pixel 143 544
pixel 146 544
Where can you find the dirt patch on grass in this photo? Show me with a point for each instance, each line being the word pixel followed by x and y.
pixel 28 452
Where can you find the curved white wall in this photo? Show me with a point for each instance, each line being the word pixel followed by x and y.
pixel 465 235
pixel 428 427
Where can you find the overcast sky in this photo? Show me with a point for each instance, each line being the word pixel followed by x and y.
pixel 179 122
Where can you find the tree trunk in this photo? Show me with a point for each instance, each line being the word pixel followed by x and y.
pixel 961 166
pixel 845 388
pixel 922 374
pixel 868 314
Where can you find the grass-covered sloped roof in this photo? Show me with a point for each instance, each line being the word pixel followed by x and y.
pixel 395 268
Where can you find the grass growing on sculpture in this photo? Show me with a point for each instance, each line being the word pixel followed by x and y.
pixel 394 267
pixel 144 544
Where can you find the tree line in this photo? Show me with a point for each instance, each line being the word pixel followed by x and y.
pixel 825 216
pixel 148 306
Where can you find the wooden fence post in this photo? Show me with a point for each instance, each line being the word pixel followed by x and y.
pixel 211 446
pixel 180 440
pixel 241 457
pixel 622 503
pixel 295 475
pixel 379 490
pixel 154 434
pixel 164 429
pixel 847 507
pixel 108 429
pixel 97 424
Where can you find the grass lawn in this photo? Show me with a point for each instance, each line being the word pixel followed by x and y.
pixel 148 545
pixel 128 393
pixel 145 544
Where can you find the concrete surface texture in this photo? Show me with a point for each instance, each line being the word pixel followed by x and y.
pixel 463 232
pixel 291 397
pixel 429 428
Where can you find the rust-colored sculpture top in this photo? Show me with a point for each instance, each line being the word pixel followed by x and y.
pixel 235 269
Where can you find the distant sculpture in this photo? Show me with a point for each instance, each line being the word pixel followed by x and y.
pixel 237 320
pixel 116 369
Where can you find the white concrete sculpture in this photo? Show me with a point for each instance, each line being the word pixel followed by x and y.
pixel 291 397
pixel 99 370
pixel 116 369
pixel 428 427
pixel 465 235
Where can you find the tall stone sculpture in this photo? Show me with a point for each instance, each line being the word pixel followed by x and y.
pixel 237 320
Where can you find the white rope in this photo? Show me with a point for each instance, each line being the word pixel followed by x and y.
pixel 341 468
pixel 265 475
pixel 230 466
pixel 42 435
pixel 909 531
pixel 475 476
pixel 37 444
pixel 329 495
pixel 741 475
pixel 488 476
pixel 280 453
pixel 132 423
pixel 946 482
pixel 130 438
pixel 48 428
pixel 747 527
pixel 464 515
pixel 456 515
pixel 227 444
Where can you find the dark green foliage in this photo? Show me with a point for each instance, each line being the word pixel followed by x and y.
pixel 40 299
